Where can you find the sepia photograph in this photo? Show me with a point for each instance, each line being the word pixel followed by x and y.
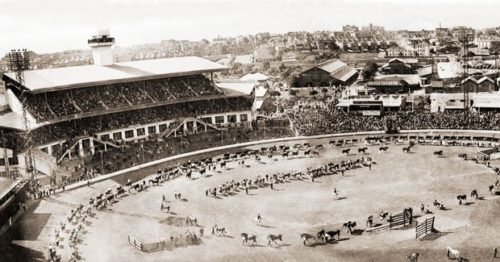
pixel 249 130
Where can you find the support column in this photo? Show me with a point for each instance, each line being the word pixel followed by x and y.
pixel 195 127
pixel 80 148
pixel 92 148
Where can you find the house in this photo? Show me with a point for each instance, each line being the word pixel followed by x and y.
pixel 264 54
pixel 329 73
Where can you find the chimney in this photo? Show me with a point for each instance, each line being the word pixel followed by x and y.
pixel 101 48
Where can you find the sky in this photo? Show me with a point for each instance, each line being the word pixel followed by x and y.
pixel 56 25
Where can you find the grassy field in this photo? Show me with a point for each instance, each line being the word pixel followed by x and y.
pixel 395 182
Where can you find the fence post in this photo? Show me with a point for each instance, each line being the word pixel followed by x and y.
pixel 426 226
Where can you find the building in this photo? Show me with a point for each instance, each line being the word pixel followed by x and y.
pixel 372 105
pixel 350 28
pixel 330 73
pixel 264 54
pixel 441 102
pixel 420 49
pixel 80 110
pixel 394 84
pixel 397 66
pixel 373 29
pixel 477 83
pixel 256 90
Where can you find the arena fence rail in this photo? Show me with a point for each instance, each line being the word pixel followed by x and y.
pixel 408 133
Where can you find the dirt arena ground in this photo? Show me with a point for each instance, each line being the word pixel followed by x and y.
pixel 397 180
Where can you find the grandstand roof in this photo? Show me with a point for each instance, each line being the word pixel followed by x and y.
pixel 243 87
pixel 46 80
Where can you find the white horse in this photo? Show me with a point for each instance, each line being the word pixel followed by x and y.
pixel 452 253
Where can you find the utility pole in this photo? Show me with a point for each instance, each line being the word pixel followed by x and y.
pixel 465 37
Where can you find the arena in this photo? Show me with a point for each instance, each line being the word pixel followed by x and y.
pixel 394 182
pixel 154 160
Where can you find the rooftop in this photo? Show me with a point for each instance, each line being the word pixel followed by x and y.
pixel 46 80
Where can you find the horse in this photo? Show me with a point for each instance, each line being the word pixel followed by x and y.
pixel 219 230
pixel 331 234
pixel 413 257
pixel 317 147
pixel 245 238
pixel 273 239
pixel 349 226
pixel 332 142
pixel 383 215
pixel 438 153
pixel 190 220
pixel 315 153
pixel 285 154
pixel 154 181
pixel 452 253
pixel 203 171
pixel 306 238
pixel 295 153
pixel 461 198
pixel 362 150
pixel 346 151
pixel 307 152
pixel 383 148
pixel 406 149
pixel 474 194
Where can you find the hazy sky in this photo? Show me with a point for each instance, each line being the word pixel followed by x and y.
pixel 55 25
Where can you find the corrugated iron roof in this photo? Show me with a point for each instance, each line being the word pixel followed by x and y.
pixel 52 79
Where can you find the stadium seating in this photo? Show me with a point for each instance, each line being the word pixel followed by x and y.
pixel 96 99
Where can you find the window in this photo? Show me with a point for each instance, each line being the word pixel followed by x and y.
pixel 231 118
pixel 207 120
pixel 243 117
pixel 105 137
pixel 129 133
pixel 152 130
pixel 141 131
pixel 45 149
pixel 2 161
pixel 117 136
pixel 13 161
pixel 219 119
pixel 162 127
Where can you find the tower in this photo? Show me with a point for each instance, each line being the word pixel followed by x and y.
pixel 101 48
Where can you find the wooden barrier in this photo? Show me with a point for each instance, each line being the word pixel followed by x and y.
pixel 136 243
pixel 424 228
pixel 401 219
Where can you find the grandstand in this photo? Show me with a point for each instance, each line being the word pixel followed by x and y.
pixel 78 111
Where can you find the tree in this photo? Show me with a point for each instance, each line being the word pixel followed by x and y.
pixel 275 93
pixel 266 65
pixel 370 70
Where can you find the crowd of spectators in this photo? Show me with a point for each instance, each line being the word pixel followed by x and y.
pixel 58 104
pixel 328 119
pixel 91 125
